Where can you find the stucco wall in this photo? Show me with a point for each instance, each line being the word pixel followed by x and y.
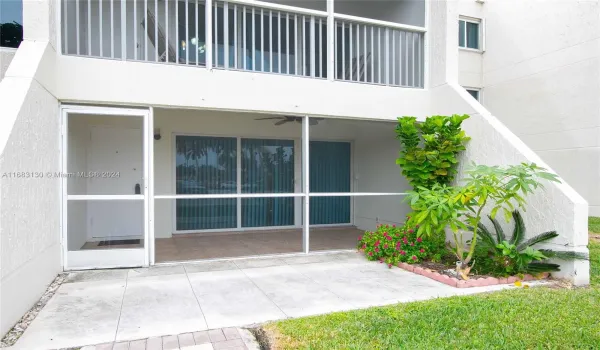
pixel 6 56
pixel 85 80
pixel 559 207
pixel 541 77
pixel 29 207
pixel 470 61
pixel 469 69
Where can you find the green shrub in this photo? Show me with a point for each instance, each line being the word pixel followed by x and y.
pixel 391 244
pixel 501 255
pixel 430 149
pixel 460 207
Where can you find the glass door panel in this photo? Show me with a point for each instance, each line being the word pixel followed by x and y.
pixel 267 167
pixel 205 165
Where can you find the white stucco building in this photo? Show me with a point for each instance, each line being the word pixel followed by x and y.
pixel 140 132
pixel 536 67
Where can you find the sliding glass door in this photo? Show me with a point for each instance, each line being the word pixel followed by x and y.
pixel 267 167
pixel 206 165
pixel 210 165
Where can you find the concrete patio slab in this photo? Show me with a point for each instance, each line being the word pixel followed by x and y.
pixel 148 305
pixel 295 294
pixel 78 314
pixel 156 271
pixel 230 298
pixel 97 275
pixel 258 262
pixel 159 305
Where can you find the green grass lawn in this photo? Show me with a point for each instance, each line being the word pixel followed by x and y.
pixel 594 224
pixel 535 318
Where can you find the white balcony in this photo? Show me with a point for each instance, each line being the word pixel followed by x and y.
pixel 375 42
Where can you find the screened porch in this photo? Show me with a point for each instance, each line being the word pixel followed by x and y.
pixel 229 185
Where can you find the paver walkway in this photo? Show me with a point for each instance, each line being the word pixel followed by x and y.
pixel 104 306
pixel 215 339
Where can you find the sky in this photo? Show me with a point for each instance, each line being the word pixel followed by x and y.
pixel 11 10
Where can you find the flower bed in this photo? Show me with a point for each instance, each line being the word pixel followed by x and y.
pixel 394 244
pixel 474 282
pixel 400 246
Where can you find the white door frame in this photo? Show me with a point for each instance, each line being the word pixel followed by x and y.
pixel 93 259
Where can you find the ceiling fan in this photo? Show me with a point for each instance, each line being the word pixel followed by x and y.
pixel 290 119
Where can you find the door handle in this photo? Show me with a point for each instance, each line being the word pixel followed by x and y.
pixel 138 189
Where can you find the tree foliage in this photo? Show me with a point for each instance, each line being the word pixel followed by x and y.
pixel 430 149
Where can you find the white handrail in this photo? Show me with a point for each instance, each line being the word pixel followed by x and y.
pixel 377 22
pixel 286 8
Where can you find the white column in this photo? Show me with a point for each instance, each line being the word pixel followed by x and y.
pixel 330 41
pixel 148 186
pixel 305 184
pixel 208 48
pixel 150 252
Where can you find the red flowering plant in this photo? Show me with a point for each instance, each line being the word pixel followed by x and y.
pixel 394 244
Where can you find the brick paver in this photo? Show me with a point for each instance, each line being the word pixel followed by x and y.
pixel 170 342
pixel 231 333
pixel 214 339
pixel 201 337
pixel 186 339
pixel 138 345
pixel 216 335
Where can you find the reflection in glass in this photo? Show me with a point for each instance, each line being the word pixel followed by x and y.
pixel 461 33
pixel 267 167
pixel 472 35
pixel 11 23
pixel 206 165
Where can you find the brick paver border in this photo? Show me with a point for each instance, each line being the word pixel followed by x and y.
pixel 475 282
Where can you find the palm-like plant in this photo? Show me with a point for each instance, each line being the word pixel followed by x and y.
pixel 516 254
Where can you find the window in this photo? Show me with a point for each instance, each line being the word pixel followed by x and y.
pixel 468 34
pixel 474 93
pixel 11 23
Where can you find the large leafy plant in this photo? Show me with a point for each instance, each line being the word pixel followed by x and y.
pixel 430 149
pixel 515 255
pixel 485 187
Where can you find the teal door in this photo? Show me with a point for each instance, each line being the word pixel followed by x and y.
pixel 330 171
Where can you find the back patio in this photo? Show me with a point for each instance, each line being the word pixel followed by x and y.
pixel 104 306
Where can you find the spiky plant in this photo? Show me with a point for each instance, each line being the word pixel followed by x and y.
pixel 516 254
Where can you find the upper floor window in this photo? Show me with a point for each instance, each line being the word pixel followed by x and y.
pixel 11 23
pixel 469 34
pixel 474 93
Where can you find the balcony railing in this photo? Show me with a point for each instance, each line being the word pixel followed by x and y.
pixel 246 35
